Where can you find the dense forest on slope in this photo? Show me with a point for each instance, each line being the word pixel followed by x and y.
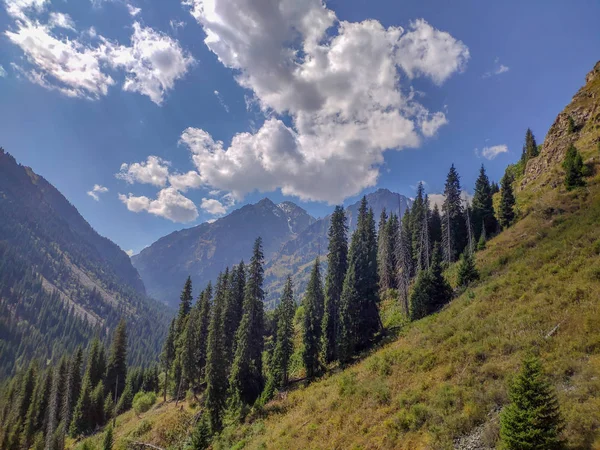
pixel 60 282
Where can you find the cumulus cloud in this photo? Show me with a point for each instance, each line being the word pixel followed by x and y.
pixel 153 171
pixel 96 191
pixel 212 206
pixel 338 83
pixel 169 204
pixel 493 151
pixel 185 181
pixel 438 199
pixel 152 63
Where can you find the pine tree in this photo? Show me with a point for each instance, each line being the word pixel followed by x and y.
pixel 116 369
pixel 246 379
pixel 482 204
pixel 284 333
pixel 506 213
pixel 573 165
pixel 417 217
pixel 532 419
pixel 168 355
pixel 96 365
pixel 73 386
pixel 32 423
pixel 232 313
pixel 424 246
pixel 431 290
pixel 24 399
pixel 404 262
pixel 337 264
pixel 570 125
pixel 313 317
pixel 190 344
pixel 494 188
pixel 109 407
pixel 107 442
pixel 530 148
pixel 216 364
pixel 467 272
pixel 470 248
pixel 204 308
pixel 392 228
pixel 97 409
pixel 454 233
pixel 482 239
pixel 126 399
pixel 185 306
pixel 56 399
pixel 435 226
pixel 81 422
pixel 383 241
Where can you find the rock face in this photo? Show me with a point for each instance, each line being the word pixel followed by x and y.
pixel 203 251
pixel 584 109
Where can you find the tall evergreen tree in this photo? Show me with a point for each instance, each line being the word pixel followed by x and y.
pixel 337 264
pixel 467 272
pixel 530 148
pixel 284 336
pixel 246 379
pixel 423 255
pixel 190 343
pixel 56 399
pixel 471 243
pixel 506 213
pixel 116 369
pixel 454 233
pixel 107 442
pixel 573 165
pixel 233 310
pixel 383 247
pixel 532 419
pixel 168 355
pixel 417 217
pixel 435 226
pixel 403 265
pixel 431 290
pixel 96 362
pixel 34 417
pixel 482 204
pixel 216 364
pixel 81 422
pixel 73 386
pixel 313 317
pixel 204 311
pixel 185 306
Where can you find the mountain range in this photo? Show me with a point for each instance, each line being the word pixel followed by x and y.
pixel 291 239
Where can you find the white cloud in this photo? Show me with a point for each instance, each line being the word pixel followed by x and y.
pixel 338 82
pixel 60 20
pixel 498 69
pixel 153 171
pixel 493 151
pixel 185 181
pixel 133 11
pixel 96 191
pixel 76 67
pixel 176 24
pixel 212 206
pixel 130 252
pixel 221 101
pixel 169 204
pixel 438 199
pixel 2 72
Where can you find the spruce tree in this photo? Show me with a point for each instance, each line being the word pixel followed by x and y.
pixel 97 409
pixel 506 213
pixel 190 344
pixel 233 310
pixel 23 402
pixel 185 306
pixel 435 226
pixel 32 423
pixel 337 264
pixel 126 399
pixel 348 316
pixel 403 266
pixel 204 311
pixel 454 233
pixel 107 442
pixel 482 205
pixel 246 379
pixel 573 165
pixel 81 422
pixel 284 341
pixel 532 419
pixel 216 364
pixel 392 228
pixel 168 355
pixel 56 399
pixel 73 386
pixel 417 217
pixel 96 362
pixel 116 369
pixel 467 272
pixel 383 247
pixel 530 148
pixel 313 317
pixel 431 290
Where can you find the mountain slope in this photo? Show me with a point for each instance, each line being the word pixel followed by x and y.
pixel 61 282
pixel 203 251
pixel 296 255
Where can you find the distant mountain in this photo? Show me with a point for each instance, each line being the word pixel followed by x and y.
pixel 60 281
pixel 297 255
pixel 205 250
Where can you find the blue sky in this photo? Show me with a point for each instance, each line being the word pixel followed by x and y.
pixel 315 103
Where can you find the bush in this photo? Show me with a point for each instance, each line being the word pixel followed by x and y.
pixel 143 401
pixel 573 165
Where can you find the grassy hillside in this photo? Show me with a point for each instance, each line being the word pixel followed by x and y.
pixel 442 381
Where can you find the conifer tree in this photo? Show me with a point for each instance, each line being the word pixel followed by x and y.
pixel 81 422
pixel 96 362
pixel 284 341
pixel 313 317
pixel 109 407
pixel 431 290
pixel 530 148
pixel 246 379
pixel 348 316
pixel 56 399
pixel 190 345
pixel 185 306
pixel 494 188
pixel 168 355
pixel 34 417
pixel 216 364
pixel 470 248
pixel 482 239
pixel 204 311
pixel 337 264
pixel 116 369
pixel 532 419
pixel 417 217
pixel 233 310
pixel 107 442
pixel 382 252
pixel 24 399
pixel 73 386
pixel 392 227
pixel 454 233
pixel 573 165
pixel 97 409
pixel 570 125
pixel 467 272
pixel 403 266
pixel 424 245
pixel 482 205
pixel 435 226
pixel 506 213
pixel 126 399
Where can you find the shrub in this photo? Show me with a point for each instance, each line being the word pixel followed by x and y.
pixel 143 401
pixel 573 165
